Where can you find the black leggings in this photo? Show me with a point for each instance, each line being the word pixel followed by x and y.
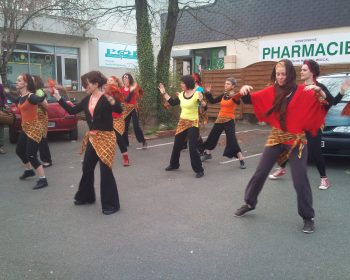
pixel 121 144
pixel 109 191
pixel 192 136
pixel 27 150
pixel 44 151
pixel 315 152
pixel 136 125
pixel 232 148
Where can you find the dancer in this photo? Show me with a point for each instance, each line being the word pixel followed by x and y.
pixel 31 134
pixel 118 121
pixel 188 124
pixel 224 122
pixel 290 110
pixel 99 142
pixel 44 150
pixel 132 92
pixel 310 70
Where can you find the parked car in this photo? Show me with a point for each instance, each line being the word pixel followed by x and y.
pixel 336 133
pixel 59 120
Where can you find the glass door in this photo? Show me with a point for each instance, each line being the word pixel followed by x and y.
pixel 67 71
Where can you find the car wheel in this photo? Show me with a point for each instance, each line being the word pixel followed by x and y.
pixel 73 134
pixel 13 135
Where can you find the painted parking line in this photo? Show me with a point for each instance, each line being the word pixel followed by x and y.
pixel 204 137
pixel 236 159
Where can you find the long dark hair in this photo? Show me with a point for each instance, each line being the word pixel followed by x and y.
pixel 281 92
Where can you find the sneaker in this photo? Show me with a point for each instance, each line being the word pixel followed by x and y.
pixel 324 184
pixel 309 226
pixel 2 151
pixel 206 156
pixel 242 164
pixel 280 171
pixel 41 183
pixel 243 210
pixel 26 174
pixel 199 174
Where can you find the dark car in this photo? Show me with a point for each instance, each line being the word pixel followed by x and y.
pixel 336 133
pixel 59 120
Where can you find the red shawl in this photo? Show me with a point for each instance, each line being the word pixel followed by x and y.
pixel 304 112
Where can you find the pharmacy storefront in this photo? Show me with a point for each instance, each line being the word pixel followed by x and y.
pixel 325 49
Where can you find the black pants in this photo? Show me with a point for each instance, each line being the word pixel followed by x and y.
pixel 27 150
pixel 136 125
pixel 121 144
pixel 232 148
pixel 315 152
pixel 109 191
pixel 44 150
pixel 299 176
pixel 192 136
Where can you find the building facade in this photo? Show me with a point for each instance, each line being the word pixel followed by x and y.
pixel 232 34
pixel 50 49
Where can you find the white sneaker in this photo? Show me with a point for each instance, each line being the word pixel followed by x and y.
pixel 324 184
pixel 280 171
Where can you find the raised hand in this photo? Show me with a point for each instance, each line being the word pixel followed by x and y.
pixel 245 90
pixel 344 86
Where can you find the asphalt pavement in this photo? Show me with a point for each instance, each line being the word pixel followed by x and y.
pixel 171 225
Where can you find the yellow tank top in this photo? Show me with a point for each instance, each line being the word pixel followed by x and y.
pixel 189 106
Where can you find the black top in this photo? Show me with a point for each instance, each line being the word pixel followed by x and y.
pixel 102 119
pixel 33 98
pixel 217 99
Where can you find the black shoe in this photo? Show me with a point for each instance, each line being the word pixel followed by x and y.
pixel 41 183
pixel 309 226
pixel 169 168
pixel 79 202
pixel 243 210
pixel 47 164
pixel 110 211
pixel 205 156
pixel 242 164
pixel 26 174
pixel 199 174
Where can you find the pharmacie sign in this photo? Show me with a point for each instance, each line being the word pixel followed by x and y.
pixel 323 49
pixel 117 55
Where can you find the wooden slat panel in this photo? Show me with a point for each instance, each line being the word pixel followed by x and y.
pixel 258 76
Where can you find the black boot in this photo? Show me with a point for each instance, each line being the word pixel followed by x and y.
pixel 26 174
pixel 41 183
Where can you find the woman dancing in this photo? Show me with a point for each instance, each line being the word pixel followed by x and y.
pixel 99 142
pixel 118 120
pixel 132 92
pixel 290 110
pixel 224 122
pixel 31 134
pixel 188 124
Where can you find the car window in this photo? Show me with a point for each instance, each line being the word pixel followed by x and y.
pixel 333 84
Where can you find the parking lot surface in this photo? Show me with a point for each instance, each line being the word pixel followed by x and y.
pixel 171 225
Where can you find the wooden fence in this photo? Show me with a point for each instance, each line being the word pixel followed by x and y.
pixel 258 76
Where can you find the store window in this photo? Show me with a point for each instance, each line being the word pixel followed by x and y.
pixel 59 63
pixel 42 65
pixel 209 59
